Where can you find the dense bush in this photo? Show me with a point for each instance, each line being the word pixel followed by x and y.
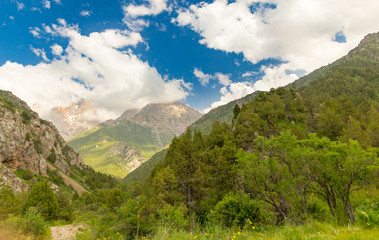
pixel 9 203
pixel 31 223
pixel 43 199
pixel 236 210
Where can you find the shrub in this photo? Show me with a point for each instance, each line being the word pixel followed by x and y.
pixel 52 157
pixel 43 199
pixel 27 174
pixel 174 216
pixel 236 210
pixel 38 145
pixel 9 203
pixel 31 223
pixel 25 117
pixel 65 208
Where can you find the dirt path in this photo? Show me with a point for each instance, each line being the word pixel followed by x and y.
pixel 68 181
pixel 66 232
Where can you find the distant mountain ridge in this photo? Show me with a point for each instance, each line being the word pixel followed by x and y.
pixel 119 146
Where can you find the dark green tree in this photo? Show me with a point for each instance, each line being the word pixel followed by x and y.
pixel 43 199
pixel 236 111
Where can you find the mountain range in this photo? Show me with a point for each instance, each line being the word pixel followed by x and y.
pixel 119 146
pixel 74 119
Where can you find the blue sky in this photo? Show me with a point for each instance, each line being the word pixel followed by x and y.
pixel 125 54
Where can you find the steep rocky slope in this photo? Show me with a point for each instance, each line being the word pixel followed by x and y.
pixel 119 146
pixel 28 142
pixel 74 119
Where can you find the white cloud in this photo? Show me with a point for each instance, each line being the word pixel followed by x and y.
pixel 99 67
pixel 232 92
pixel 85 13
pixel 11 18
pixel 249 74
pixel 298 32
pixel 154 7
pixel 46 4
pixel 274 76
pixel 39 53
pixel 56 49
pixel 223 79
pixel 57 1
pixel 133 12
pixel 20 6
pixel 36 9
pixel 35 32
pixel 203 78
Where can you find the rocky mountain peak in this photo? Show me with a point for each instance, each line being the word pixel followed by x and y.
pixel 74 119
pixel 172 118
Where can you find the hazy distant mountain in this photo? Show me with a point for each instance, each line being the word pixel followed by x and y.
pixel 74 119
pixel 119 146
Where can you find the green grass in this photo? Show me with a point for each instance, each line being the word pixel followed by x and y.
pixel 95 145
pixel 86 133
pixel 313 230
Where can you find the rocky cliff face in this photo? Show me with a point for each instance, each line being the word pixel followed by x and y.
pixel 27 142
pixel 74 119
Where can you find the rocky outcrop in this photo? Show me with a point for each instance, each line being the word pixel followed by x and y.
pixel 27 142
pixel 131 158
pixel 8 178
pixel 74 119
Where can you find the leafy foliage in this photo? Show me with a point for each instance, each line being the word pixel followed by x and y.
pixel 43 199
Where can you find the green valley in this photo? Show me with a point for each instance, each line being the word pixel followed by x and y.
pixel 117 147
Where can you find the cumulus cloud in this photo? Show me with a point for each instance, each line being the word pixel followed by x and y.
pixel 223 79
pixel 46 4
pixel 36 31
pixel 133 12
pixel 39 53
pixel 300 33
pixel 85 13
pixel 56 49
pixel 154 7
pixel 232 92
pixel 203 78
pixel 99 67
pixel 20 6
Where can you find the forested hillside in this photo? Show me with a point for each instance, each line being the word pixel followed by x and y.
pixel 290 155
